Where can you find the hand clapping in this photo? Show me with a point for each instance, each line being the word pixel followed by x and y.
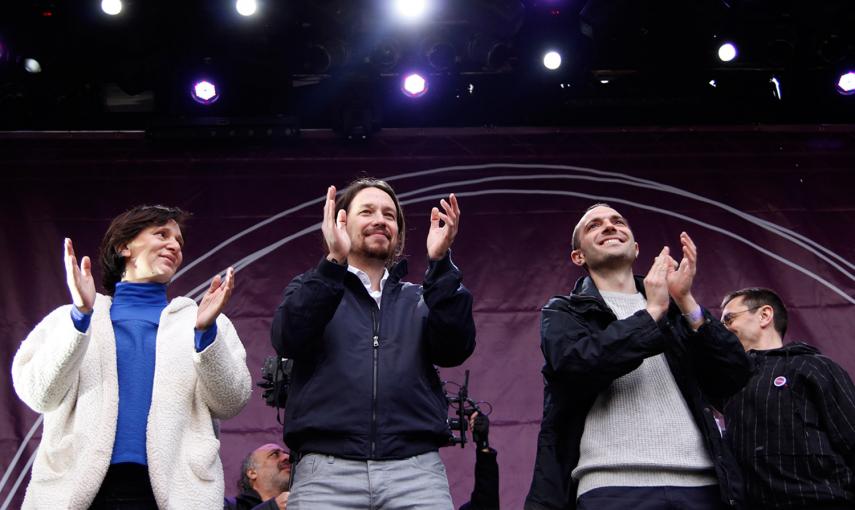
pixel 79 279
pixel 439 238
pixel 334 229
pixel 215 299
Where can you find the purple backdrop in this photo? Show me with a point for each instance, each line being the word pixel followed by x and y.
pixel 766 206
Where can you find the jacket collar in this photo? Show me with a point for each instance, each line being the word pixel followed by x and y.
pixel 585 287
pixel 398 271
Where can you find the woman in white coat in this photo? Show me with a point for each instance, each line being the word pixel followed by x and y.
pixel 131 384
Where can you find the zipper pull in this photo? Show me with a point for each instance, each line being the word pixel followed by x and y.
pixel 376 341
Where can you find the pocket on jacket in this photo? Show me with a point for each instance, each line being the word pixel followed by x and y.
pixel 204 458
pixel 55 460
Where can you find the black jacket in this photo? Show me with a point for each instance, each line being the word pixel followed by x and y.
pixel 364 385
pixel 485 492
pixel 586 348
pixel 792 428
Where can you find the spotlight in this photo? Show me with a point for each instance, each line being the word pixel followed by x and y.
pixel 727 52
pixel 439 53
pixel 386 54
pixel 552 60
pixel 204 92
pixel 410 10
pixel 245 7
pixel 846 83
pixel 111 7
pixel 488 52
pixel 414 85
pixel 32 66
pixel 321 57
pixel 776 87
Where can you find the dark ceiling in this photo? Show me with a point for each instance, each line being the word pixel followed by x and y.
pixel 339 64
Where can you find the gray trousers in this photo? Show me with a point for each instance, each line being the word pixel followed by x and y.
pixel 324 482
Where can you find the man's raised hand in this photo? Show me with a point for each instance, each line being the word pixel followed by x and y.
pixel 439 238
pixel 334 229
pixel 656 285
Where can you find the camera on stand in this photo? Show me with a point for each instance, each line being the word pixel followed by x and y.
pixel 462 408
pixel 275 380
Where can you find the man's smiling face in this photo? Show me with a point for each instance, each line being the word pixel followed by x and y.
pixel 604 240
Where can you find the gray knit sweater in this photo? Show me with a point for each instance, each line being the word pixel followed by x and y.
pixel 639 432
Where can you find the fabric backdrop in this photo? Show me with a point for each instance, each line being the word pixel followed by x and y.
pixel 766 206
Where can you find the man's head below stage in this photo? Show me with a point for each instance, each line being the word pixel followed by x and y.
pixel 266 470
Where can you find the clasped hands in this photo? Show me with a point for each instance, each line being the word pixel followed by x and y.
pixel 668 278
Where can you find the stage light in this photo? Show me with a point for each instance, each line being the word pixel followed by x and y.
pixel 204 92
pixel 439 53
pixel 32 66
pixel 727 52
pixel 552 60
pixel 246 7
pixel 386 54
pixel 776 87
pixel 410 10
pixel 414 85
pixel 846 83
pixel 111 7
pixel 488 51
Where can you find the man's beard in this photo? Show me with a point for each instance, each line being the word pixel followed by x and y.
pixel 377 252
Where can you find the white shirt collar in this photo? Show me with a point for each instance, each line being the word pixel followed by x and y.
pixel 366 281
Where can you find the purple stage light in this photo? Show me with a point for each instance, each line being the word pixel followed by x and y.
pixel 204 92
pixel 846 83
pixel 414 85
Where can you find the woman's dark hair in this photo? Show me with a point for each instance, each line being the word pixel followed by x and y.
pixel 123 229
pixel 349 193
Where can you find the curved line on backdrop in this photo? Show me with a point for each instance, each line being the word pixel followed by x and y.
pixel 782 231
pixel 198 291
pixel 788 234
pixel 18 481
pixel 17 457
pixel 772 227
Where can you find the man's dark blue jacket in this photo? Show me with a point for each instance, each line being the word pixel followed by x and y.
pixel 364 385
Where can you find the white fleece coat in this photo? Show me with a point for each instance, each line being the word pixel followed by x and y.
pixel 71 378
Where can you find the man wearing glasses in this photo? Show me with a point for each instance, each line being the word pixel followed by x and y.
pixel 792 427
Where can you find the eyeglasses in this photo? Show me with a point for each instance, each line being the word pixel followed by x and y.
pixel 728 318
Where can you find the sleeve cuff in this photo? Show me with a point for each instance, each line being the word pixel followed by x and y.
pixel 80 320
pixel 205 338
pixel 437 268
pixel 331 270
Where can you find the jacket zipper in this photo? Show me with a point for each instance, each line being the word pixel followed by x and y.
pixel 376 344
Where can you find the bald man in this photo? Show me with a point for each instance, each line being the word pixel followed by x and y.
pixel 630 366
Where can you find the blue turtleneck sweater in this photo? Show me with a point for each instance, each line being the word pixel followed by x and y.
pixel 135 315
